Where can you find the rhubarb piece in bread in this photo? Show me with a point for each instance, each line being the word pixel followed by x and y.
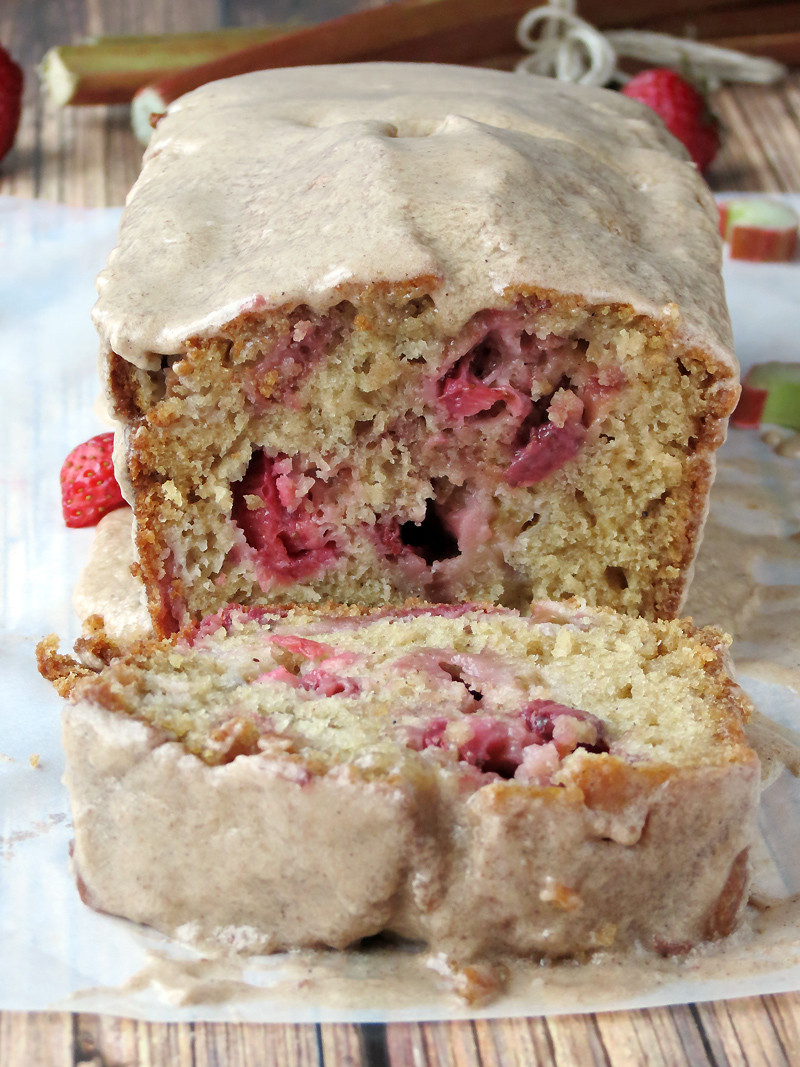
pixel 480 781
pixel 394 330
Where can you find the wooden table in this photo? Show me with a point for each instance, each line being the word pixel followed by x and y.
pixel 89 157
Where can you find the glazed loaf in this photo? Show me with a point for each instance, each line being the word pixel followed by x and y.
pixel 395 330
pixel 463 776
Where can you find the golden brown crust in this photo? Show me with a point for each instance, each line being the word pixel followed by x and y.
pixel 95 644
pixel 63 672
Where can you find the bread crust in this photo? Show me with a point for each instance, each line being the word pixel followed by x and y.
pixel 260 856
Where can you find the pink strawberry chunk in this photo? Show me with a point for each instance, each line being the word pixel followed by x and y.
pixel 495 746
pixel 464 395
pixel 328 684
pixel 422 736
pixel 303 646
pixel 568 727
pixel 547 450
pixel 527 745
pixel 324 683
pixel 290 545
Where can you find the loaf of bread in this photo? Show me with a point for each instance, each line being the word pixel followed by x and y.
pixel 464 776
pixel 392 330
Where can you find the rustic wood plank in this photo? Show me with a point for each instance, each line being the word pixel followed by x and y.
pixel 768 114
pixel 256 12
pixel 515 1041
pixel 443 1044
pixel 741 1031
pixel 105 1039
pixel 451 1042
pixel 784 1013
pixel 80 156
pixel 741 163
pixel 730 21
pixel 651 1037
pixel 248 1044
pixel 89 156
pixel 348 1045
pixel 790 94
pixel 692 1035
pixel 31 1038
pixel 404 1045
pixel 576 1039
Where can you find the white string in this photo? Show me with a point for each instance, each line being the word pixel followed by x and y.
pixel 715 64
pixel 567 47
pixel 562 45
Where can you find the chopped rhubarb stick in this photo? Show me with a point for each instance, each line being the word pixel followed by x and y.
pixel 442 31
pixel 109 70
pixel 750 408
pixel 761 230
pixel 723 220
pixel 781 382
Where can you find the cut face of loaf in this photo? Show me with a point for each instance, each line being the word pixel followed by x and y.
pixel 546 448
pixel 461 775
pixel 432 331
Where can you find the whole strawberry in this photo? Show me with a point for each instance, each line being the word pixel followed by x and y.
pixel 10 100
pixel 683 110
pixel 89 489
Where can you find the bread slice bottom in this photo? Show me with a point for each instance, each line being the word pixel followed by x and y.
pixel 462 776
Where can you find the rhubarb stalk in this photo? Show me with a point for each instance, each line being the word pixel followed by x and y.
pixel 781 383
pixel 760 229
pixel 109 70
pixel 443 31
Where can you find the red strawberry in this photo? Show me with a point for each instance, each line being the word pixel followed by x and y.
pixel 89 489
pixel 682 108
pixel 10 100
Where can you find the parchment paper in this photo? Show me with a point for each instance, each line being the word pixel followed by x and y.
pixel 58 954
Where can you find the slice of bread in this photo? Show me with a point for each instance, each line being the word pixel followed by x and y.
pixel 479 781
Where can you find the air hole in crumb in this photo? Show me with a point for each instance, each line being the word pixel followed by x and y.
pixel 655 505
pixel 683 369
pixel 580 498
pixel 455 673
pixel 616 578
pixel 626 692
pixel 419 306
pixel 532 521
pixel 430 538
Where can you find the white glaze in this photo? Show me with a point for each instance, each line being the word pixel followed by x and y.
pixel 302 185
pixel 106 585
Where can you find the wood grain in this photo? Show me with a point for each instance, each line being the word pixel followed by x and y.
pixel 89 157
pixel 754 1031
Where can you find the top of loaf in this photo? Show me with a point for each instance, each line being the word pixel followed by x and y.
pixel 306 184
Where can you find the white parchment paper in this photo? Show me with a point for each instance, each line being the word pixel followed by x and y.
pixel 57 953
